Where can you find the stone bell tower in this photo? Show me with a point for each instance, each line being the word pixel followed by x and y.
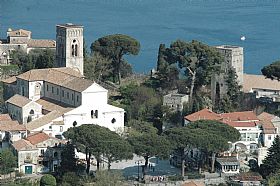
pixel 69 46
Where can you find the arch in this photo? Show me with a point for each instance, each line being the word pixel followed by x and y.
pixel 74 48
pixel 31 112
pixel 37 88
pixel 75 123
pixel 113 120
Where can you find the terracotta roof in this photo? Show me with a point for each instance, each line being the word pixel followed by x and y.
pixel 10 80
pixel 78 84
pixel 18 100
pixel 37 138
pixel 11 125
pixel 248 176
pixel 23 145
pixel 240 124
pixel 259 82
pixel 48 118
pixel 266 121
pixel 5 117
pixel 19 32
pixel 240 116
pixel 203 114
pixel 40 43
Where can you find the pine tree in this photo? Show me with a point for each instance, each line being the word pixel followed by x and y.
pixel 271 163
pixel 68 160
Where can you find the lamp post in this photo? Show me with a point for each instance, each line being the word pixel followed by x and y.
pixel 138 163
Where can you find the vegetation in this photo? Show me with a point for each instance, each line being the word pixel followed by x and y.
pixel 274 179
pixel 271 163
pixel 68 159
pixel 272 71
pixel 115 47
pixel 206 135
pixel 35 59
pixel 105 178
pixel 47 180
pixel 7 161
pixel 99 142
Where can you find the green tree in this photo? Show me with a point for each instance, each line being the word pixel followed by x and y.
pixel 274 179
pixel 138 127
pixel 199 61
pixel 47 180
pixel 97 67
pixel 213 136
pixel 271 163
pixel 115 47
pixel 272 71
pixel 99 141
pixel 7 161
pixel 68 159
pixel 71 178
pixel 150 144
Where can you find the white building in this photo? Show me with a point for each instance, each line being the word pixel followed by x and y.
pixel 56 99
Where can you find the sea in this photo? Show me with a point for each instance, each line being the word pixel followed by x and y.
pixel 152 22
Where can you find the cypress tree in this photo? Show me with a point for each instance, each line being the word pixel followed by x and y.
pixel 271 163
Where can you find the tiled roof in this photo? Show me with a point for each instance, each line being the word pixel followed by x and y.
pixel 20 32
pixel 51 105
pixel 48 118
pixel 5 117
pixel 23 145
pixel 10 80
pixel 40 43
pixel 259 82
pixel 18 100
pixel 228 161
pixel 240 124
pixel 37 138
pixel 248 176
pixel 240 116
pixel 203 114
pixel 11 125
pixel 266 121
pixel 66 77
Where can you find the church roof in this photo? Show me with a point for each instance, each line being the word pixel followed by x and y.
pixel 11 125
pixel 65 77
pixel 41 43
pixel 18 100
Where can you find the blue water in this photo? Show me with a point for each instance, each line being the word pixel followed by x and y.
pixel 152 22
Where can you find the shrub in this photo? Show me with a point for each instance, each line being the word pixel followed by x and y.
pixel 48 180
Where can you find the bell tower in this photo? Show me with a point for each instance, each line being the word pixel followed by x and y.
pixel 69 46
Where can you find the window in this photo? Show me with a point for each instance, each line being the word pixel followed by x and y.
pixel 92 113
pixel 47 87
pixel 113 120
pixel 57 91
pixel 52 90
pixel 50 127
pixel 61 128
pixel 75 123
pixel 67 95
pixel 96 113
pixel 77 98
pixel 42 152
pixel 72 96
pixel 269 137
pixel 62 93
pixel 74 48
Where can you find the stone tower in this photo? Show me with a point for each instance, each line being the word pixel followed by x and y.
pixel 233 58
pixel 69 46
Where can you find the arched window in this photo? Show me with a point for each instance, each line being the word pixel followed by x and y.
pixel 74 48
pixel 113 120
pixel 96 113
pixel 31 112
pixel 74 123
pixel 92 113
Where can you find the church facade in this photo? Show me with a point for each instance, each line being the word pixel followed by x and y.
pixel 55 99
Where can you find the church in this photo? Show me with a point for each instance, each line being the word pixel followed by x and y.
pixel 54 99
